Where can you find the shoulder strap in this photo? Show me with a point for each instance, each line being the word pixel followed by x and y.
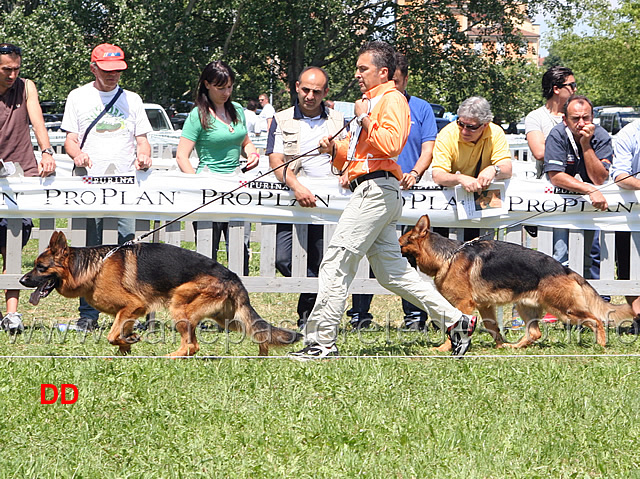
pixel 102 113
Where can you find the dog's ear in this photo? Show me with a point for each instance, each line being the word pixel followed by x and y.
pixel 58 242
pixel 422 226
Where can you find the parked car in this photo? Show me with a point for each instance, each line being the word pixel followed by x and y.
pixel 158 117
pixel 178 120
pixel 613 119
pixel 438 110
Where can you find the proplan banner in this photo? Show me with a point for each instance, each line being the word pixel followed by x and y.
pixel 167 195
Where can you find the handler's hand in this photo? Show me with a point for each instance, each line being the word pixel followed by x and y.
pixel 326 145
pixel 586 133
pixel 305 198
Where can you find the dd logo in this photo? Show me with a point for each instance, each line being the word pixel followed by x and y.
pixel 63 395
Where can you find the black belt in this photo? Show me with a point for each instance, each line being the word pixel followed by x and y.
pixel 370 176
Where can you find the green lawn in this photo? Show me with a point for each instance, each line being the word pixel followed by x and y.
pixel 564 408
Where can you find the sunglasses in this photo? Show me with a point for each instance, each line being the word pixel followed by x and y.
pixel 573 85
pixel 8 49
pixel 467 126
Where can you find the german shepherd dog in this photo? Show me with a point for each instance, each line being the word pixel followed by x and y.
pixel 136 279
pixel 483 274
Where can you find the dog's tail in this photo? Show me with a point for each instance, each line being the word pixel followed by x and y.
pixel 614 314
pixel 261 332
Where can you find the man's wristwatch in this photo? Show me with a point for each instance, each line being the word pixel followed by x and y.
pixel 48 151
pixel 361 117
pixel 415 174
pixel 497 168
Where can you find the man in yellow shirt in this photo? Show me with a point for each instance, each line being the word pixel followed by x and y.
pixel 471 152
pixel 368 222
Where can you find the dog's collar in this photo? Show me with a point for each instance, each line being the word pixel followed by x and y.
pixel 113 250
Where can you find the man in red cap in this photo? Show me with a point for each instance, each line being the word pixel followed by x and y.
pixel 106 134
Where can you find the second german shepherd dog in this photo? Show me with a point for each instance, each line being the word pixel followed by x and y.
pixel 136 279
pixel 482 274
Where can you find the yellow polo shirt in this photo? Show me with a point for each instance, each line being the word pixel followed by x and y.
pixel 452 154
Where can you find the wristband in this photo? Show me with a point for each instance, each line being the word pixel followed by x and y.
pixel 361 117
pixel 254 153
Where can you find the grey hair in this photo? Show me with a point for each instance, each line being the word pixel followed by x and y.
pixel 477 108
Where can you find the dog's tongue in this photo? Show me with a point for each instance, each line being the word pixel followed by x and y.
pixel 36 295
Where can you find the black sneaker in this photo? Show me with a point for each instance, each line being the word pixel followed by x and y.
pixel 84 325
pixel 314 352
pixel 361 324
pixel 460 335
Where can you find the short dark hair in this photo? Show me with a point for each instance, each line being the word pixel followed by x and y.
pixel 402 64
pixel 554 76
pixel 321 70
pixel 383 55
pixel 578 98
pixel 10 49
pixel 252 104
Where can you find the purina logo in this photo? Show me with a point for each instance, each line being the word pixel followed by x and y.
pixel 111 54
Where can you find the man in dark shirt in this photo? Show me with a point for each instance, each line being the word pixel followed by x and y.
pixel 577 156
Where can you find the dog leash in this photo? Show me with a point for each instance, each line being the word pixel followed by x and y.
pixel 285 164
pixel 512 225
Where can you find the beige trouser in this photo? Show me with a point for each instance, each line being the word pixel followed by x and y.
pixel 368 226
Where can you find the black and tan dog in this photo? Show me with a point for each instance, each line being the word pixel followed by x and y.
pixel 483 274
pixel 136 279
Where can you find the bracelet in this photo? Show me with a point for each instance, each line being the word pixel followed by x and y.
pixel 254 153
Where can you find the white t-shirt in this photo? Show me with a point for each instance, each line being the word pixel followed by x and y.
pixel 267 111
pixel 542 120
pixel 252 122
pixel 312 130
pixel 113 138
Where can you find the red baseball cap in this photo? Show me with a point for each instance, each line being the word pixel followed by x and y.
pixel 108 57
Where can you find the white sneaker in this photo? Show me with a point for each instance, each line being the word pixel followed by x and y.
pixel 314 352
pixel 12 323
pixel 460 335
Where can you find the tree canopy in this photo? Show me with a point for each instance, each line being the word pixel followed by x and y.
pixel 268 43
pixel 603 50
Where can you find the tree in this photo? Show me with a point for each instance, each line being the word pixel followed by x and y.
pixel 604 52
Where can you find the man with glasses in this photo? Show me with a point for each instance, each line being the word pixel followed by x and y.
pixel 117 139
pixel 558 84
pixel 19 104
pixel 577 156
pixel 267 113
pixel 472 151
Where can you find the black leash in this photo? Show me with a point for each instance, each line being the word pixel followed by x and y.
pixel 224 195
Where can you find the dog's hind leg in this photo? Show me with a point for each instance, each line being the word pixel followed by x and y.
pixel 585 318
pixel 490 323
pixel 121 333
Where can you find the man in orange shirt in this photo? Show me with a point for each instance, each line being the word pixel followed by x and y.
pixel 368 223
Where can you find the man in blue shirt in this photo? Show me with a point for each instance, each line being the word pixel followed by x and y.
pixel 626 164
pixel 414 160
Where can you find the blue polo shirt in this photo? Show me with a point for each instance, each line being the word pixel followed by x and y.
pixel 423 128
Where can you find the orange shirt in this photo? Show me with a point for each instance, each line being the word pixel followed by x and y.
pixel 378 149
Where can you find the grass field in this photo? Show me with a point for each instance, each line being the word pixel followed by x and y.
pixel 564 408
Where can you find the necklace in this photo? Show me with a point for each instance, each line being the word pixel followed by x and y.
pixel 220 119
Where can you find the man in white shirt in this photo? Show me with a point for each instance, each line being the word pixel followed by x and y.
pixel 118 138
pixel 294 131
pixel 267 112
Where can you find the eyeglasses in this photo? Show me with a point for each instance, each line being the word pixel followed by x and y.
pixel 8 49
pixel 468 126
pixel 573 85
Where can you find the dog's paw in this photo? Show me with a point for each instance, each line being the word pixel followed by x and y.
pixel 132 338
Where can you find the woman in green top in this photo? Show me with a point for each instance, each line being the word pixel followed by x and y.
pixel 216 128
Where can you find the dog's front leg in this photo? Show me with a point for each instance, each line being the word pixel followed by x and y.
pixel 121 333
